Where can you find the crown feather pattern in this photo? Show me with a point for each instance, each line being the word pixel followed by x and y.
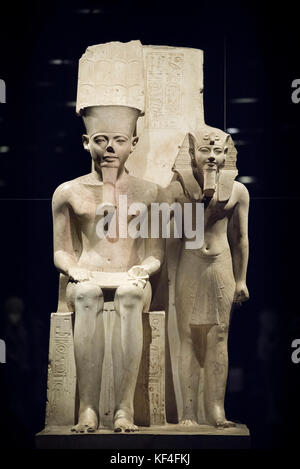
pixel 111 74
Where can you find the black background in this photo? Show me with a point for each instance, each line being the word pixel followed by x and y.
pixel 253 46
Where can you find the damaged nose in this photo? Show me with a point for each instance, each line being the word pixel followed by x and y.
pixel 109 148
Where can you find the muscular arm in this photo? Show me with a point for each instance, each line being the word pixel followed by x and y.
pixel 154 255
pixel 64 255
pixel 238 239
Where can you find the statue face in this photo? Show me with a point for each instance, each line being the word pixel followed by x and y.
pixel 209 156
pixel 109 149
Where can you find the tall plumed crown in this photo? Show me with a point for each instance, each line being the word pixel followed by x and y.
pixel 111 74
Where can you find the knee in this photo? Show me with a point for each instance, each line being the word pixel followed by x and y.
pixel 88 293
pixel 129 295
pixel 185 334
pixel 186 340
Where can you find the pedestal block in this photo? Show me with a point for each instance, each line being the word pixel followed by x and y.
pixel 149 400
pixel 156 437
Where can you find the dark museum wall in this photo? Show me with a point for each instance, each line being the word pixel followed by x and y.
pixel 250 61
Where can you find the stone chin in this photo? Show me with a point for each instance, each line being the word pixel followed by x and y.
pixel 111 164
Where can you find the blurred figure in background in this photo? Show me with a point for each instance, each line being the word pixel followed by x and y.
pixel 16 376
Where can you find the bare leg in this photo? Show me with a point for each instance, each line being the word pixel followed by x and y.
pixel 117 355
pixel 127 338
pixel 188 366
pixel 89 352
pixel 189 369
pixel 216 370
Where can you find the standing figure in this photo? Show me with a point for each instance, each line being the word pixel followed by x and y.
pixel 211 278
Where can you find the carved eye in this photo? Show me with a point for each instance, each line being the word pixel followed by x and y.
pixel 204 149
pixel 99 141
pixel 217 151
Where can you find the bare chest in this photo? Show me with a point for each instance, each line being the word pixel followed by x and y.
pixel 216 211
pixel 86 207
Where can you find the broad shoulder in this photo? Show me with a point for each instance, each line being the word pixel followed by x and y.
pixel 66 190
pixel 148 189
pixel 172 193
pixel 240 193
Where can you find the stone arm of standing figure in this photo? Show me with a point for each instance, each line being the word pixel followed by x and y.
pixel 64 256
pixel 238 240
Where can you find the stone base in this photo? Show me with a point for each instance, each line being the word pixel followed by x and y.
pixel 154 437
pixel 63 399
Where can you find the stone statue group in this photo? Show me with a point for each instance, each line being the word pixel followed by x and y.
pixel 209 279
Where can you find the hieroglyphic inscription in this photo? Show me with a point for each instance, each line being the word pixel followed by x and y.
pixel 164 75
pixel 61 372
pixel 156 384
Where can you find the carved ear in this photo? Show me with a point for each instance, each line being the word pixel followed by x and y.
pixel 86 142
pixel 134 142
pixel 226 144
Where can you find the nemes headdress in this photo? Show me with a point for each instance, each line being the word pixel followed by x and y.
pixel 206 135
pixel 110 93
pixel 210 136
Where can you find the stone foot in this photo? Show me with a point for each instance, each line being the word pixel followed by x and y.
pixel 218 419
pixel 224 423
pixel 188 422
pixel 87 423
pixel 123 424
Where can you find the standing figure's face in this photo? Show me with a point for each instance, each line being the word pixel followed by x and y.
pixel 209 156
pixel 109 149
